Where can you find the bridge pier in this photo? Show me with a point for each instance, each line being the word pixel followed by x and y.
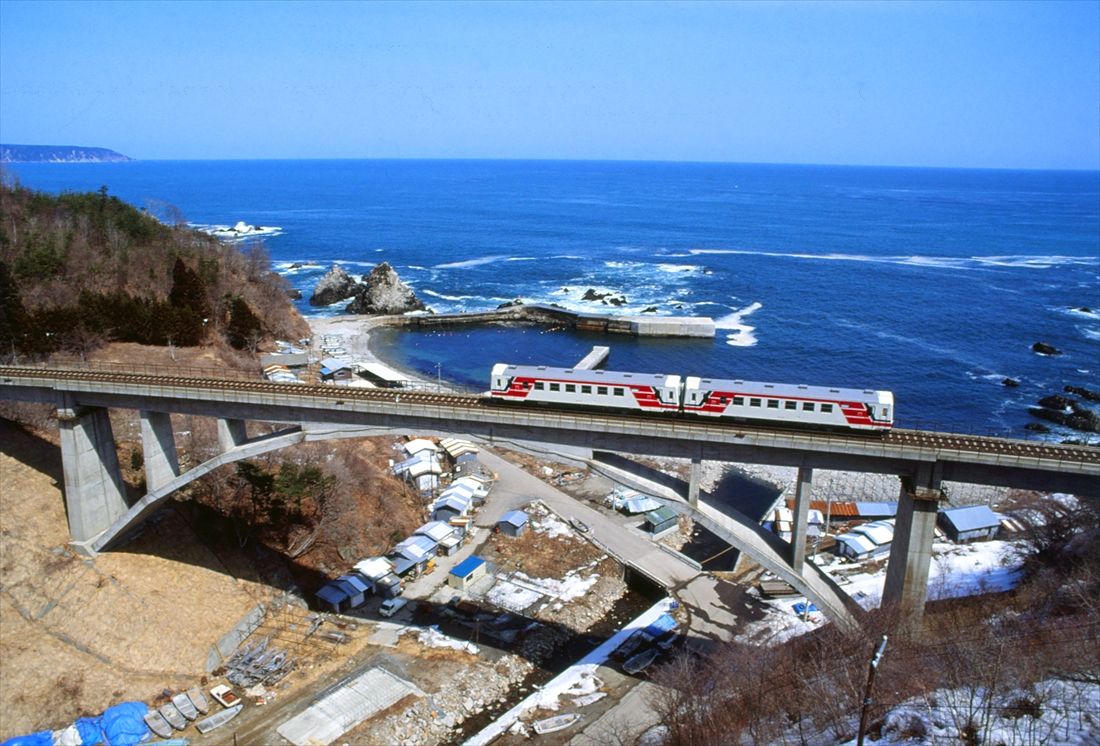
pixel 906 588
pixel 695 474
pixel 231 433
pixel 803 488
pixel 158 445
pixel 94 490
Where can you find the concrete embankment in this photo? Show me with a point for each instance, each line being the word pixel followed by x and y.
pixel 638 326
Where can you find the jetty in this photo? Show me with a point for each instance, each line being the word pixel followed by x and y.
pixel 548 315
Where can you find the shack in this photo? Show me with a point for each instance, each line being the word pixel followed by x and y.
pixel 972 523
pixel 443 534
pixel 355 588
pixel 334 369
pixel 660 520
pixel 378 572
pixel 451 506
pixel 332 597
pixel 467 572
pixel 514 524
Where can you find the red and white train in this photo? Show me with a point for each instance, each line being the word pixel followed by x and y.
pixel 811 406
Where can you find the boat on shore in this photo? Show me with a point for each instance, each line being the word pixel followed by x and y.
pixel 184 705
pixel 641 661
pixel 173 716
pixel 217 721
pixel 157 724
pixel 555 723
pixel 198 699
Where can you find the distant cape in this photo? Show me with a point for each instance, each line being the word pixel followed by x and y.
pixel 58 154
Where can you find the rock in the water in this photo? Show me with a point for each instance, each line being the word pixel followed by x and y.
pixel 1010 383
pixel 1037 427
pixel 1084 393
pixel 1078 418
pixel 382 292
pixel 335 286
pixel 1056 401
pixel 614 300
pixel 1085 309
pixel 511 303
pixel 591 294
pixel 650 309
pixel 1044 349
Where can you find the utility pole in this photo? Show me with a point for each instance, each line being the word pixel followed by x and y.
pixel 438 377
pixel 875 660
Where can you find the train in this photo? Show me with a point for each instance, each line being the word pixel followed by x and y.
pixel 819 407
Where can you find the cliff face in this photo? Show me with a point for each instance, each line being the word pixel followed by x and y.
pixel 58 154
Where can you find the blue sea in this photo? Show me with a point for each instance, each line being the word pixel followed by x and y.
pixel 933 283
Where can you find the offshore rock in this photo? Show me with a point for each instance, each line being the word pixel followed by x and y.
pixel 1044 349
pixel 1078 417
pixel 1010 383
pixel 382 292
pixel 1037 427
pixel 1083 392
pixel 511 303
pixel 1063 403
pixel 335 286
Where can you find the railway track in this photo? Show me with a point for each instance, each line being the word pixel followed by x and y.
pixel 920 439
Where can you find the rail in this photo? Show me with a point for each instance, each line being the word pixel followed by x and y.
pixel 197 379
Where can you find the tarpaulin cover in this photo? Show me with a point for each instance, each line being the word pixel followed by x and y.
pixel 124 724
pixel 90 733
pixel 663 624
pixel 41 738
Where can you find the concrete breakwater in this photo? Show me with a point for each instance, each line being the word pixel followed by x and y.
pixel 638 326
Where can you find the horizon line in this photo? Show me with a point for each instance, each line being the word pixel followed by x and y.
pixel 558 160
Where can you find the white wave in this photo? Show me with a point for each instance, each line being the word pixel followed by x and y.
pixel 1081 313
pixel 418 267
pixel 472 262
pixel 677 268
pixel 1021 261
pixel 434 294
pixel 290 268
pixel 520 259
pixel 568 256
pixel 1091 332
pixel 741 334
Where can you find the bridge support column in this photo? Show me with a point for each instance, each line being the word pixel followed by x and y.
pixel 694 475
pixel 906 586
pixel 94 490
pixel 158 447
pixel 802 490
pixel 231 433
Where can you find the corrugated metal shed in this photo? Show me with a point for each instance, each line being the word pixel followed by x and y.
pixel 854 545
pixel 416 548
pixel 879 532
pixel 876 510
pixel 640 504
pixel 514 517
pixel 414 447
pixel 835 509
pixel 437 531
pixel 971 518
pixel 374 567
pixel 467 566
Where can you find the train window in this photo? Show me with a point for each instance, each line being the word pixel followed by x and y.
pixel 886 413
pixel 738 401
pixel 539 386
pixel 570 388
pixel 586 389
pixel 773 404
pixel 754 402
pixel 601 390
pixel 619 391
pixel 723 400
pixel 555 387
pixel 807 406
pixel 790 405
pixel 826 407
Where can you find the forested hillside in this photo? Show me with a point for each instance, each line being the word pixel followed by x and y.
pixel 80 270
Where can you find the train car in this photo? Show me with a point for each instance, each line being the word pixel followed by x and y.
pixel 642 392
pixel 812 406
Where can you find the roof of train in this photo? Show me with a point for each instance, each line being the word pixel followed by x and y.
pixel 788 390
pixel 601 377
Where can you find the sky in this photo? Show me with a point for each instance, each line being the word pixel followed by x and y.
pixel 960 84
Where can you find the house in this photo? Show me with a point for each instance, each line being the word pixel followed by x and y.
pixel 880 532
pixel 334 369
pixel 443 534
pixel 378 572
pixel 514 524
pixel 972 523
pixel 467 572
pixel 413 555
pixel 660 520
pixel 639 504
pixel 418 445
pixel 456 448
pixel 332 597
pixel 855 546
pixel 451 506
pixel 356 588
pixel 468 465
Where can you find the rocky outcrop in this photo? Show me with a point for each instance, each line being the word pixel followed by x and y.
pixel 511 303
pixel 1081 391
pixel 1010 383
pixel 382 292
pixel 608 299
pixel 336 285
pixel 1067 412
pixel 1044 349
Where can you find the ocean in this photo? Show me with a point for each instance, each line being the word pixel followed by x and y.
pixel 932 283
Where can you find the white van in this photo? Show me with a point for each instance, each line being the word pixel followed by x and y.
pixel 391 606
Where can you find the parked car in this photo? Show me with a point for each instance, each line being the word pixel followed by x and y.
pixel 391 606
pixel 580 525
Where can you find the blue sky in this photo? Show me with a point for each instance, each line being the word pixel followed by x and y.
pixel 999 85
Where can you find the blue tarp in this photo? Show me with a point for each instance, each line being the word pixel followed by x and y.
pixel 41 738
pixel 89 730
pixel 124 724
pixel 800 608
pixel 663 624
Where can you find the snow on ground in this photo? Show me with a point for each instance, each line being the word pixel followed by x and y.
pixel 431 637
pixel 957 570
pixel 519 591
pixel 1058 713
pixel 550 525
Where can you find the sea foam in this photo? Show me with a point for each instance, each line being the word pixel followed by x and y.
pixel 741 334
